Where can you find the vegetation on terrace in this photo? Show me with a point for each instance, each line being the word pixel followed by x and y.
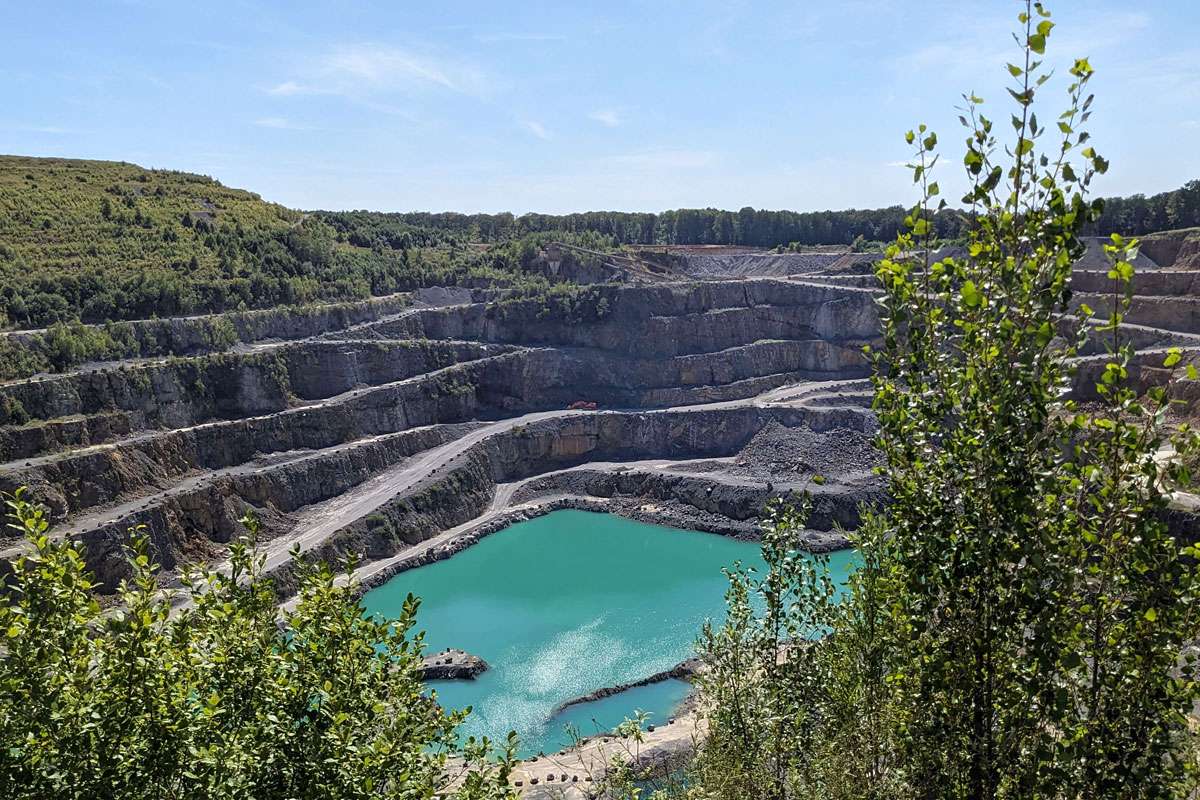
pixel 88 247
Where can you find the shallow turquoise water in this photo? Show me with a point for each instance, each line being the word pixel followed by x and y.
pixel 565 604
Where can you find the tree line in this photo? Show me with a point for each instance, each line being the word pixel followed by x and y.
pixel 1134 215
pixel 686 226
pixel 1137 214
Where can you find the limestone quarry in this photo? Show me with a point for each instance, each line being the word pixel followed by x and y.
pixel 381 428
pixel 402 429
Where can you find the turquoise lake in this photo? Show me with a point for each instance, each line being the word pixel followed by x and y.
pixel 565 604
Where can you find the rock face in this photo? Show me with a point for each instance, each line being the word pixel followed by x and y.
pixel 382 424
pixel 187 392
pixel 1179 249
pixel 159 394
pixel 1150 283
pixel 184 447
pixel 211 333
pixel 661 321
pixel 189 519
pixel 452 665
pixel 732 263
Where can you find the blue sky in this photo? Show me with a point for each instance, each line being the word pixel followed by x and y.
pixel 565 106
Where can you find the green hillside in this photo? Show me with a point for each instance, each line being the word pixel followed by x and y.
pixel 101 240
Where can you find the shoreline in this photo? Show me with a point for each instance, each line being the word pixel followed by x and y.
pixel 453 541
pixel 684 670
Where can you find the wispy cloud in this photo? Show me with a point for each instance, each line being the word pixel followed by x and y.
pixel 536 128
pixel 369 68
pixel 490 38
pixel 280 123
pixel 51 129
pixel 380 65
pixel 664 159
pixel 287 88
pixel 606 117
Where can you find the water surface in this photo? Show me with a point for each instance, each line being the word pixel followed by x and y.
pixel 565 604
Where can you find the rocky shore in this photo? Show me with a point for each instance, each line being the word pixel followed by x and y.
pixel 684 670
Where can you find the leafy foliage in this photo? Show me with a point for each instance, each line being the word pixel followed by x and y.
pixel 747 226
pixel 794 678
pixel 224 699
pixel 1024 620
pixel 1131 216
pixel 99 241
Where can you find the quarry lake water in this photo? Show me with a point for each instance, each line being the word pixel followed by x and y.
pixel 562 605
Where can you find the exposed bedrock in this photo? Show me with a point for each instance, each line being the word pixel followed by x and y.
pixel 1148 282
pixel 206 333
pixel 660 321
pixel 515 381
pixel 317 370
pixel 72 482
pixel 452 665
pixel 185 524
pixel 79 408
pixel 48 436
pixel 465 487
pixel 1172 313
pixel 1178 249
pixel 1139 336
pixel 547 378
pixel 758 264
pixel 1145 370
pixel 167 394
pixel 834 504
pixel 298 323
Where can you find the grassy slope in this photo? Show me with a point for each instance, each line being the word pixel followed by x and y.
pixel 69 227
pixel 101 240
pixel 51 214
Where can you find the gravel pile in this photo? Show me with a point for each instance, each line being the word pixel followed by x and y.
pixel 775 265
pixel 780 453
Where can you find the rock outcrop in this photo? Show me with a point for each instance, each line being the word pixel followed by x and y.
pixel 452 665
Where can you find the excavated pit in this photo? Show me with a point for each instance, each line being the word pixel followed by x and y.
pixel 382 427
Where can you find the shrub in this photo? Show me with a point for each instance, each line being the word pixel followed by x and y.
pixel 226 699
pixel 1023 625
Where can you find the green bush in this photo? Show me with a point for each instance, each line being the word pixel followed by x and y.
pixel 1024 623
pixel 228 698
pixel 12 411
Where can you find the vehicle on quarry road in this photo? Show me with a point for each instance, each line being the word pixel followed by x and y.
pixel 583 405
